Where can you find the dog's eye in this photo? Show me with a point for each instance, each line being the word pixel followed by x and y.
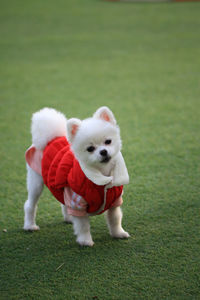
pixel 108 142
pixel 91 149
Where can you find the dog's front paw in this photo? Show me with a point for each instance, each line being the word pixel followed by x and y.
pixel 120 234
pixel 31 227
pixel 85 241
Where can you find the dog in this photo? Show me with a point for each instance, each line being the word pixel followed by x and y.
pixel 82 165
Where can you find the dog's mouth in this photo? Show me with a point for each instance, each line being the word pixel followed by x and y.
pixel 106 159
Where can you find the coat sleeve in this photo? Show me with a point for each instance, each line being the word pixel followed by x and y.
pixel 62 170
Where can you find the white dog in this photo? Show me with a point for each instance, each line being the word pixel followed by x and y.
pixel 81 163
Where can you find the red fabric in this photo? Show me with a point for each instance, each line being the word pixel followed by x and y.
pixel 60 169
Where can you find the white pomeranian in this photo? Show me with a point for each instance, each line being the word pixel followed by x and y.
pixel 81 164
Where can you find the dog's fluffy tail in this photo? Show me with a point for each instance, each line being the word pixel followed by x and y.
pixel 47 124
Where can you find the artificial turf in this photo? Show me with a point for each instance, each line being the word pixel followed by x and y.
pixel 143 61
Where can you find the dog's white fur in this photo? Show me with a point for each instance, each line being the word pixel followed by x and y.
pixel 48 124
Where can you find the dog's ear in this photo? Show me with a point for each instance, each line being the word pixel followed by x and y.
pixel 105 114
pixel 72 128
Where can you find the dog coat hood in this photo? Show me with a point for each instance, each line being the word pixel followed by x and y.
pixel 60 169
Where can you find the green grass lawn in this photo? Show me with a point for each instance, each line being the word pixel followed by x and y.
pixel 143 61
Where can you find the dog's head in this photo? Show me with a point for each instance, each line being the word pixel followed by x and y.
pixel 95 141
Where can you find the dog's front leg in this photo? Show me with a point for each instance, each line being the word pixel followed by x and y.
pixel 114 220
pixel 82 231
pixel 67 217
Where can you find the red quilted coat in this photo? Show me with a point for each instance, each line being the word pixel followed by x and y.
pixel 61 169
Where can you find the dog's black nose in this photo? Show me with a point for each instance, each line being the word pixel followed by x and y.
pixel 104 152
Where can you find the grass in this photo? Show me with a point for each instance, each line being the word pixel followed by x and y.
pixel 142 60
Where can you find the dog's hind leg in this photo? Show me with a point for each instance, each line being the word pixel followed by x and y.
pixel 114 220
pixel 34 187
